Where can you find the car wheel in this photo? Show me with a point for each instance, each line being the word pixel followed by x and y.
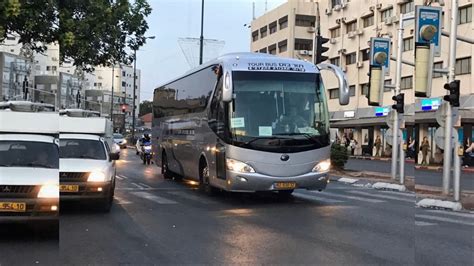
pixel 106 204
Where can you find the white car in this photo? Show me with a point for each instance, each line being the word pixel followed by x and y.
pixel 120 140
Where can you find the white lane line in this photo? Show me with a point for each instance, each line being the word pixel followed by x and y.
pixel 316 198
pixel 458 214
pixel 119 177
pixel 443 219
pixel 350 197
pixel 420 223
pixel 137 185
pixel 189 196
pixel 122 201
pixel 122 176
pixel 382 196
pixel 157 199
pixel 144 185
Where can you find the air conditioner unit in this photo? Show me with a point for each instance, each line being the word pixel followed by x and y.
pixel 328 11
pixel 401 2
pixel 360 64
pixel 332 40
pixel 360 31
pixel 336 7
pixel 338 21
pixel 372 8
pixel 379 6
pixel 311 29
pixel 388 21
pixel 351 34
pixel 395 19
pixel 342 51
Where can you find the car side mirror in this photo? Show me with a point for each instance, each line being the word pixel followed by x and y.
pixel 114 156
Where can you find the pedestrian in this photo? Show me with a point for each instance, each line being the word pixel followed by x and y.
pixel 425 148
pixel 352 146
pixel 411 148
pixel 378 146
pixel 468 159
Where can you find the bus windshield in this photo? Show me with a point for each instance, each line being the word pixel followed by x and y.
pixel 279 105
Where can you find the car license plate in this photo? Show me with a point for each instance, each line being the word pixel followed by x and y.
pixel 285 185
pixel 12 207
pixel 68 188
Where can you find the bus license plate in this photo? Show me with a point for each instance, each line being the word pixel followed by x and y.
pixel 68 188
pixel 12 207
pixel 285 185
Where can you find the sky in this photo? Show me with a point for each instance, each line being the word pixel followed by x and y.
pixel 161 59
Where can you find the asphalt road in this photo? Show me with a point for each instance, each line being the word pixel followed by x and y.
pixel 156 221
pixel 422 177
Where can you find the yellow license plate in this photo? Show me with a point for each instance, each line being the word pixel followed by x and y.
pixel 285 185
pixel 68 188
pixel 12 207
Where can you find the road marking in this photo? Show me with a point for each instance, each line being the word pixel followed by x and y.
pixel 350 197
pixel 403 194
pixel 137 185
pixel 442 219
pixel 119 177
pixel 420 223
pixel 382 196
pixel 316 198
pixel 157 199
pixel 144 185
pixel 122 201
pixel 123 177
pixel 459 214
pixel 188 195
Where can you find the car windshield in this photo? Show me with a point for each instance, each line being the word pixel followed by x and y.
pixel 118 136
pixel 290 106
pixel 29 154
pixel 81 149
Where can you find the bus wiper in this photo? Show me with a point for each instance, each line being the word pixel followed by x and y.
pixel 306 135
pixel 259 138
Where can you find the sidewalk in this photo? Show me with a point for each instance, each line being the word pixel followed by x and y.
pixel 440 168
pixel 372 158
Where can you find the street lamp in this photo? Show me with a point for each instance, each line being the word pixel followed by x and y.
pixel 134 88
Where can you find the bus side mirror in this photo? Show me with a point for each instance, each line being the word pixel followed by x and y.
pixel 227 87
pixel 341 78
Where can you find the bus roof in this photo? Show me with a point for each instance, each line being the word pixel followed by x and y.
pixel 255 62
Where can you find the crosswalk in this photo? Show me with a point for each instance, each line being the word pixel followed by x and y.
pixel 134 192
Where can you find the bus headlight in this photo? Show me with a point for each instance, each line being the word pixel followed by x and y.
pixel 322 166
pixel 96 177
pixel 49 191
pixel 238 166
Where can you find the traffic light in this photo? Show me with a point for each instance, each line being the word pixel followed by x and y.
pixel 124 108
pixel 400 103
pixel 376 82
pixel 453 87
pixel 320 49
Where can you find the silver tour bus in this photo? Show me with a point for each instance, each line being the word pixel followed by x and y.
pixel 246 122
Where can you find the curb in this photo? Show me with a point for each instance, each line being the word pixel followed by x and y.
pixel 377 159
pixel 389 186
pixel 436 203
pixel 440 168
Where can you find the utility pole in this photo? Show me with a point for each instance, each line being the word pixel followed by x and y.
pixel 449 122
pixel 112 97
pixel 134 92
pixel 201 39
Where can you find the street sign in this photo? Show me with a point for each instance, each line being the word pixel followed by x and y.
pixel 441 114
pixel 428 26
pixel 381 111
pixel 430 104
pixel 380 53
pixel 439 137
pixel 389 136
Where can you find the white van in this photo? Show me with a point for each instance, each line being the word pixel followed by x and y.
pixel 87 159
pixel 29 162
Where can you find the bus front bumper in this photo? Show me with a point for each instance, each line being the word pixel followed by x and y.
pixel 252 182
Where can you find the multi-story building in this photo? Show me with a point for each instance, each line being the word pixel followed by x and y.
pixel 350 25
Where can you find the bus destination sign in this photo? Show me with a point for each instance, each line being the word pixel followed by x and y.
pixel 276 66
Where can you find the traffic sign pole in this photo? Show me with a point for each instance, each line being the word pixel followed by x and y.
pixel 449 121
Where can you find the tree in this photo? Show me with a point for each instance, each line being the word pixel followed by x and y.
pixel 90 32
pixel 339 156
pixel 146 107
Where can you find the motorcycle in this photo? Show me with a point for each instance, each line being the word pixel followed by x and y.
pixel 146 153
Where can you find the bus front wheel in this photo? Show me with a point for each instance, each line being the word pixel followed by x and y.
pixel 204 183
pixel 164 167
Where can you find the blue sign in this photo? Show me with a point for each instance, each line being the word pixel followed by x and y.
pixel 381 111
pixel 427 15
pixel 430 104
pixel 380 45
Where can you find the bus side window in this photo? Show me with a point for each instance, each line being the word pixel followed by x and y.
pixel 216 113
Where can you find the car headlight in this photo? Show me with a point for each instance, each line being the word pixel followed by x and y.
pixel 124 141
pixel 238 166
pixel 96 177
pixel 322 166
pixel 49 191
